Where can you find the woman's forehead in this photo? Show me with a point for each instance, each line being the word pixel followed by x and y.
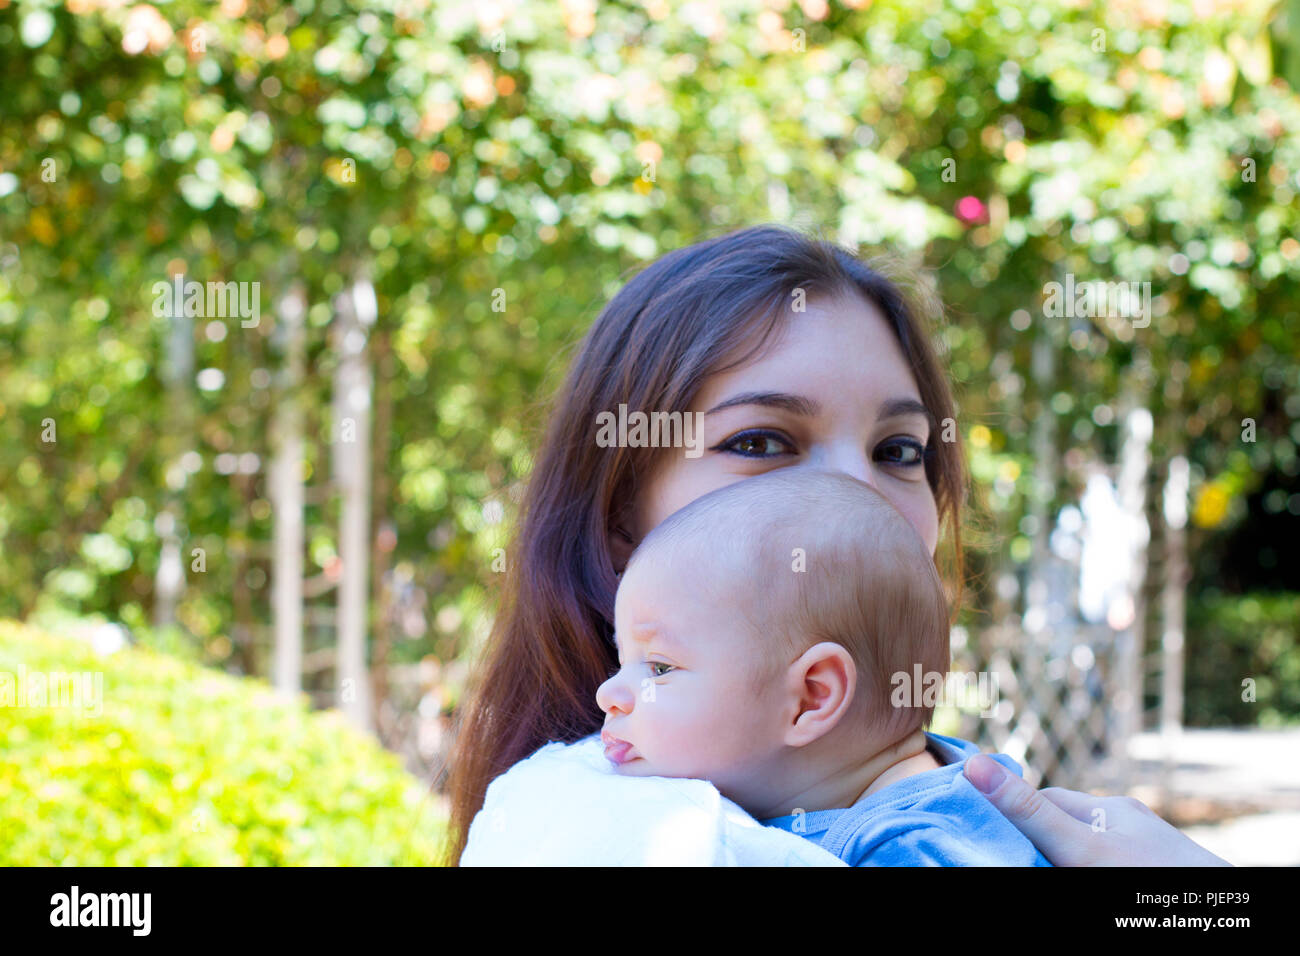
pixel 835 350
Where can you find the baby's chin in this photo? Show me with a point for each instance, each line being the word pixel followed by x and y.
pixel 641 767
pixel 636 767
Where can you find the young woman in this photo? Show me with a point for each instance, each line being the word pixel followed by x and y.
pixel 797 355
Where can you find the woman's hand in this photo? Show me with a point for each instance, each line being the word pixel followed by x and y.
pixel 1077 829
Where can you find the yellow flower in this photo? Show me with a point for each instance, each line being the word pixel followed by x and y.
pixel 41 228
pixel 1211 506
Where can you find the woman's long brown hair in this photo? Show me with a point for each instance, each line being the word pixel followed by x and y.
pixel 690 314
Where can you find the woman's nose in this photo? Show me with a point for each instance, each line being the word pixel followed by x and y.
pixel 850 459
pixel 614 695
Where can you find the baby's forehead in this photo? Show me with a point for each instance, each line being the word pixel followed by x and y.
pixel 687 578
pixel 692 557
pixel 740 537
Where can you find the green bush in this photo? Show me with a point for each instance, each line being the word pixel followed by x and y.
pixel 186 766
pixel 1232 638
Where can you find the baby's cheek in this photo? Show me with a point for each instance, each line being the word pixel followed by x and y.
pixel 743 740
pixel 714 743
pixel 680 741
pixel 683 743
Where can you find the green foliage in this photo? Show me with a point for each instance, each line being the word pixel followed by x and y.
pixel 1253 638
pixel 524 148
pixel 185 766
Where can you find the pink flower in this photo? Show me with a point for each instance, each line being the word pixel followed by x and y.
pixel 971 210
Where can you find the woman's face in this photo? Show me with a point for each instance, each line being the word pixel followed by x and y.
pixel 832 391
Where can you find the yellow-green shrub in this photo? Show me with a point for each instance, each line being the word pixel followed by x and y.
pixel 188 766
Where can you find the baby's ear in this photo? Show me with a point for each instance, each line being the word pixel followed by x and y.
pixel 824 684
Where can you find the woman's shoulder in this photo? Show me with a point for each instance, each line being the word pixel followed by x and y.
pixel 580 752
pixel 565 805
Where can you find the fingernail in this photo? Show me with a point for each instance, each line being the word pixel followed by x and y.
pixel 985 772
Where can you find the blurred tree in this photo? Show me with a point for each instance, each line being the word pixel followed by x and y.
pixel 496 168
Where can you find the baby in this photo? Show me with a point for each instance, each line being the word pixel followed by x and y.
pixel 760 632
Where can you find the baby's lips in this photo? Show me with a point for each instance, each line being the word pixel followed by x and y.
pixel 616 750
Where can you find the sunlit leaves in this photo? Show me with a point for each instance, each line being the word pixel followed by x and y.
pixel 185 766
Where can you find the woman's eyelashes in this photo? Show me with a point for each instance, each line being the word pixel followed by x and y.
pixel 755 443
pixel 905 452
pixel 901 451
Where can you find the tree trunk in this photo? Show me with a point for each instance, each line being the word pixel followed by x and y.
pixel 241 596
pixel 169 581
pixel 1129 619
pixel 1173 607
pixel 287 504
pixel 385 539
pixel 351 446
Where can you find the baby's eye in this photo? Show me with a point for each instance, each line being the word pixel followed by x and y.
pixel 657 673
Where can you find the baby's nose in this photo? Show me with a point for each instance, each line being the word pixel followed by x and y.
pixel 614 695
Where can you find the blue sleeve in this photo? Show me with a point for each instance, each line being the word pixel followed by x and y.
pixel 927 846
pixel 941 845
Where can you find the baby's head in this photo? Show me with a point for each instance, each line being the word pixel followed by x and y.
pixel 758 628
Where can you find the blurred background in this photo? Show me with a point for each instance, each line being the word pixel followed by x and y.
pixel 271 514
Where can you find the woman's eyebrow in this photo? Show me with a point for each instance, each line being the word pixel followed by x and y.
pixel 800 405
pixel 784 400
pixel 896 407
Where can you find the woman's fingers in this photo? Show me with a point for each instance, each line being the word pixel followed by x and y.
pixel 1077 829
pixel 1082 806
pixel 1055 832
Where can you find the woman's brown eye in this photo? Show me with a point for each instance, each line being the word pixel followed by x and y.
pixel 901 452
pixel 754 445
